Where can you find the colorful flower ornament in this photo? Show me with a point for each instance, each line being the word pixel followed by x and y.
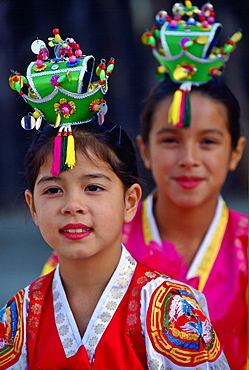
pixel 185 47
pixel 61 91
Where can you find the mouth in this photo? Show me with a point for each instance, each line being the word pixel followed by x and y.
pixel 189 182
pixel 76 232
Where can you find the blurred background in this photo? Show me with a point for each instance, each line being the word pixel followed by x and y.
pixel 104 29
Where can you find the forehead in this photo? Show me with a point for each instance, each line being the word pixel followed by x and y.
pixel 205 113
pixel 84 163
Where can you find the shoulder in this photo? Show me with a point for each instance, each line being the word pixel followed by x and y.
pixel 12 330
pixel 177 326
pixel 239 219
pixel 13 322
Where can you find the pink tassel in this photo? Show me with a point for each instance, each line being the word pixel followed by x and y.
pixel 56 165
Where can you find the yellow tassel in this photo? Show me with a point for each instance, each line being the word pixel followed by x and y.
pixel 70 158
pixel 174 110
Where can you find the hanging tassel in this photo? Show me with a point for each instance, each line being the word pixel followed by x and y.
pixel 182 111
pixel 187 111
pixel 174 110
pixel 55 169
pixel 179 111
pixel 64 166
pixel 70 157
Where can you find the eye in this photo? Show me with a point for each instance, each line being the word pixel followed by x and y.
pixel 52 190
pixel 93 188
pixel 208 141
pixel 169 140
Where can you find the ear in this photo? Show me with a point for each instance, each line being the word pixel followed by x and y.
pixel 237 153
pixel 30 203
pixel 144 152
pixel 132 197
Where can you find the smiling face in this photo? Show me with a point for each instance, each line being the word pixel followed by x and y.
pixel 190 165
pixel 81 213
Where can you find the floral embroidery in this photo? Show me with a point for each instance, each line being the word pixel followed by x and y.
pixel 33 322
pixel 117 294
pixel 133 305
pixel 122 282
pixel 57 307
pixel 105 316
pixel 60 318
pixel 37 295
pixel 99 328
pixel 36 308
pixel 67 342
pixel 63 330
pixel 65 108
pixel 111 305
pixel 132 319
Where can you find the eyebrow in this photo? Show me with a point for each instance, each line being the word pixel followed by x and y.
pixel 173 129
pixel 83 177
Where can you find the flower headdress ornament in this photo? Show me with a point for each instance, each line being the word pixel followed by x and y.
pixel 60 89
pixel 185 47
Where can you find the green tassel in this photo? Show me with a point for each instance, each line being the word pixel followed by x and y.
pixel 187 112
pixel 64 166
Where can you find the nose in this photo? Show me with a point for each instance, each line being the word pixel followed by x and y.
pixel 74 204
pixel 189 155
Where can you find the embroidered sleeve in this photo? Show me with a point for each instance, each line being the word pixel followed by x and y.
pixel 178 333
pixel 12 332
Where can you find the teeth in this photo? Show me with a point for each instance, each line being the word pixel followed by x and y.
pixel 74 231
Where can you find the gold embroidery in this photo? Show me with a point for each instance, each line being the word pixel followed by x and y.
pixel 212 251
pixel 146 223
pixel 36 309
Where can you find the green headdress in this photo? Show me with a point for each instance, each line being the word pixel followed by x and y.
pixel 60 89
pixel 185 47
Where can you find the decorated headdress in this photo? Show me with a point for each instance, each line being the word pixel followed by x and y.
pixel 61 91
pixel 185 47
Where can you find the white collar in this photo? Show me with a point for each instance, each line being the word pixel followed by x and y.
pixel 102 315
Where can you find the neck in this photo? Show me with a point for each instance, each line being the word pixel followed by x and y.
pixel 184 227
pixel 87 274
pixel 84 282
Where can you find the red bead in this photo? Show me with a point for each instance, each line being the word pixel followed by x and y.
pixel 39 56
pixel 15 79
pixel 76 46
pixel 70 53
pixel 21 93
pixel 56 31
pixel 223 52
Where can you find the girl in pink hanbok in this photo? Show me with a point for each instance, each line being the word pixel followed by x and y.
pixel 184 227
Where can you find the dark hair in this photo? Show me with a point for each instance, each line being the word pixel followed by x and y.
pixel 108 142
pixel 214 89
